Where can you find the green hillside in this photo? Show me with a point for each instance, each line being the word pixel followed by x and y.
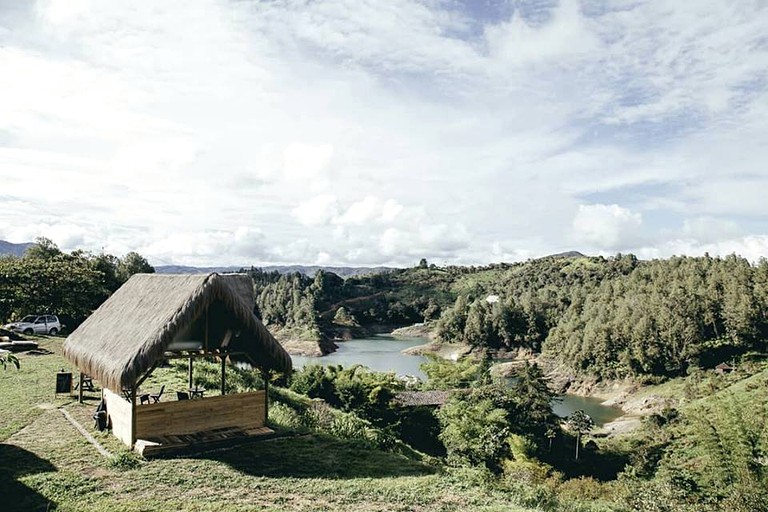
pixel 46 464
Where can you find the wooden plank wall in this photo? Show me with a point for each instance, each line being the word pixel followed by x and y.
pixel 245 410
pixel 119 413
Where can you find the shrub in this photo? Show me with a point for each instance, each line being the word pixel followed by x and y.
pixel 125 460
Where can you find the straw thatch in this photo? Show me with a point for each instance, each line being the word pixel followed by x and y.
pixel 131 331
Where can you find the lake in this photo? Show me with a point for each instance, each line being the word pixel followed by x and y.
pixel 600 414
pixel 383 353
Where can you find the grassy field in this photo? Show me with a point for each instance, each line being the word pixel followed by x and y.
pixel 46 464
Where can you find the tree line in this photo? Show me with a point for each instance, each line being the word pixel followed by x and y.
pixel 611 317
pixel 70 285
pixel 619 316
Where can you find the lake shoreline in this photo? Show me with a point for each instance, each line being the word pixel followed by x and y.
pixel 374 350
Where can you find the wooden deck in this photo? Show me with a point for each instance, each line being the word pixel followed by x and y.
pixel 181 444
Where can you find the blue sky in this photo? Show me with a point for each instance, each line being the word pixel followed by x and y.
pixel 363 132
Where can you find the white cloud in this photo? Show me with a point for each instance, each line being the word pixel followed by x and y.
pixel 208 247
pixel 66 235
pixel 316 211
pixel 565 36
pixel 370 209
pixel 361 212
pixel 606 226
pixel 306 161
pixel 709 230
pixel 751 247
pixel 433 240
pixel 356 131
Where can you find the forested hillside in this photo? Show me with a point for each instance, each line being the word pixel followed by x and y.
pixel 619 316
pixel 610 317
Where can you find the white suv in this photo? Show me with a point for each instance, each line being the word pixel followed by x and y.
pixel 36 324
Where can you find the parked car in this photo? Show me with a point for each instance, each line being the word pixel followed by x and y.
pixel 36 324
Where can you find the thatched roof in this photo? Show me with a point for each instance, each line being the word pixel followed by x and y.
pixel 131 331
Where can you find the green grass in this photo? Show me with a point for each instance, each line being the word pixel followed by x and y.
pixel 45 464
pixel 27 392
pixel 704 384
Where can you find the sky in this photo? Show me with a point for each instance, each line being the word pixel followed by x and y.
pixel 371 132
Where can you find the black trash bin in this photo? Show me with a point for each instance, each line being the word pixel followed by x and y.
pixel 100 416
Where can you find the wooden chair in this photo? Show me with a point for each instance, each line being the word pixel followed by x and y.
pixel 88 383
pixel 182 395
pixel 156 398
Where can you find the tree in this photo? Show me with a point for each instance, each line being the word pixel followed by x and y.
pixel 581 423
pixel 342 317
pixel 534 396
pixel 44 249
pixel 551 434
pixel 432 311
pixel 475 429
pixel 444 374
pixel 63 284
pixel 134 263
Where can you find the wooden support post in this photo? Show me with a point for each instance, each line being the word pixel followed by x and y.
pixel 134 389
pixel 80 389
pixel 206 346
pixel 223 373
pixel 265 376
pixel 146 375
pixel 190 370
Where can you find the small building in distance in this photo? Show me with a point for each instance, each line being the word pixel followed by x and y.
pixel 724 368
pixel 433 398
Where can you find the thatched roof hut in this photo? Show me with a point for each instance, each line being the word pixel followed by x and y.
pixel 154 313
pixel 724 368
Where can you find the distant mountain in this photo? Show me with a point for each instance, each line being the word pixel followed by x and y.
pixel 183 269
pixel 13 249
pixel 567 254
pixel 309 270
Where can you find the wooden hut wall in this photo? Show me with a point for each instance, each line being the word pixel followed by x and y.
pixel 242 410
pixel 119 413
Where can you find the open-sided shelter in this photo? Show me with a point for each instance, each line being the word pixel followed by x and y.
pixel 154 317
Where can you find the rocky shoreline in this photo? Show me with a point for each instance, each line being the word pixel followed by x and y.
pixel 452 351
pixel 298 343
pixel 423 330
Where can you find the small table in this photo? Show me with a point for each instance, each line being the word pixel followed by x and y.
pixel 196 392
